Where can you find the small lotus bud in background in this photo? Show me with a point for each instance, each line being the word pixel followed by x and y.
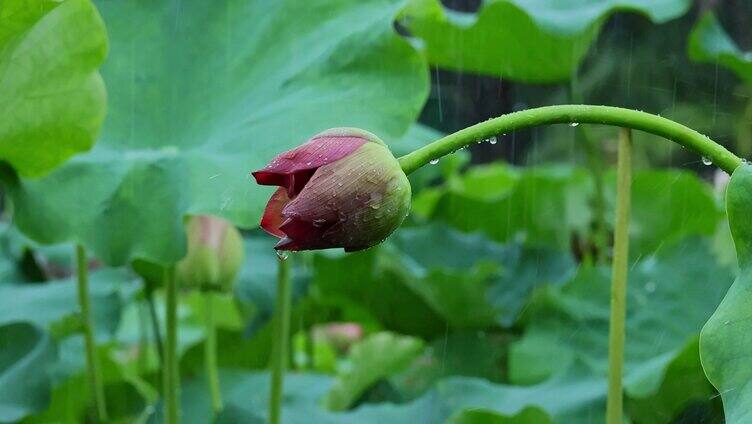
pixel 342 188
pixel 341 335
pixel 215 254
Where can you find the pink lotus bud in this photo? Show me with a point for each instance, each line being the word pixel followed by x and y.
pixel 340 334
pixel 342 188
pixel 215 254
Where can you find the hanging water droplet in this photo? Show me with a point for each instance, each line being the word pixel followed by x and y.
pixel 492 140
pixel 706 161
pixel 319 222
pixel 434 161
pixel 574 124
pixel 650 287
pixel 283 254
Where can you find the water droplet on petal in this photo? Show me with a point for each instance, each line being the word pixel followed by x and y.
pixel 283 254
pixel 434 161
pixel 706 161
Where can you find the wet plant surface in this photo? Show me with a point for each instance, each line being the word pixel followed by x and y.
pixel 544 219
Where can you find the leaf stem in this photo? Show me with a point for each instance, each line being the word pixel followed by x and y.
pixel 560 114
pixel 92 362
pixel 616 332
pixel 281 340
pixel 154 318
pixel 210 353
pixel 170 373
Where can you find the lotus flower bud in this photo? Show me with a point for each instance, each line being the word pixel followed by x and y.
pixel 215 254
pixel 342 188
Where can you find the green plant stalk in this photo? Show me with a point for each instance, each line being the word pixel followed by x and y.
pixel 281 340
pixel 585 114
pixel 170 374
pixel 93 372
pixel 616 331
pixel 210 353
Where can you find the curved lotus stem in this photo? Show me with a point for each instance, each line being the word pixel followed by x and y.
pixel 562 114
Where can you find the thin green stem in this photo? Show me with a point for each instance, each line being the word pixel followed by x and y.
pixel 171 374
pixel 93 371
pixel 154 318
pixel 210 353
pixel 586 114
pixel 281 340
pixel 616 333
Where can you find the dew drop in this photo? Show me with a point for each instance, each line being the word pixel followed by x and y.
pixel 727 322
pixel 434 161
pixel 282 254
pixel 574 124
pixel 492 140
pixel 650 287
pixel 706 161
pixel 339 184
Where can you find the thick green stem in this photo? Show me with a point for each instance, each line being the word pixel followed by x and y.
pixel 281 340
pixel 93 371
pixel 171 373
pixel 616 333
pixel 586 114
pixel 210 353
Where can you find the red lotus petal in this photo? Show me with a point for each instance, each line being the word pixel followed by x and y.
pixel 293 169
pixel 301 235
pixel 272 218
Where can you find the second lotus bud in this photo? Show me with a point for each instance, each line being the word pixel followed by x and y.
pixel 215 254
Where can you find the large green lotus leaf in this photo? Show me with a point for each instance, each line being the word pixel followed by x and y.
pixel 667 205
pixel 49 304
pixel 531 41
pixel 709 43
pixel 571 322
pixel 479 354
pixel 683 385
pixel 370 360
pixel 542 206
pixel 53 101
pixel 569 397
pixel 201 93
pixel 26 354
pixel 472 281
pixel 425 278
pixel 725 349
pixel 484 416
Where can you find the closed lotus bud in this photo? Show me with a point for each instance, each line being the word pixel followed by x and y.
pixel 215 254
pixel 342 188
